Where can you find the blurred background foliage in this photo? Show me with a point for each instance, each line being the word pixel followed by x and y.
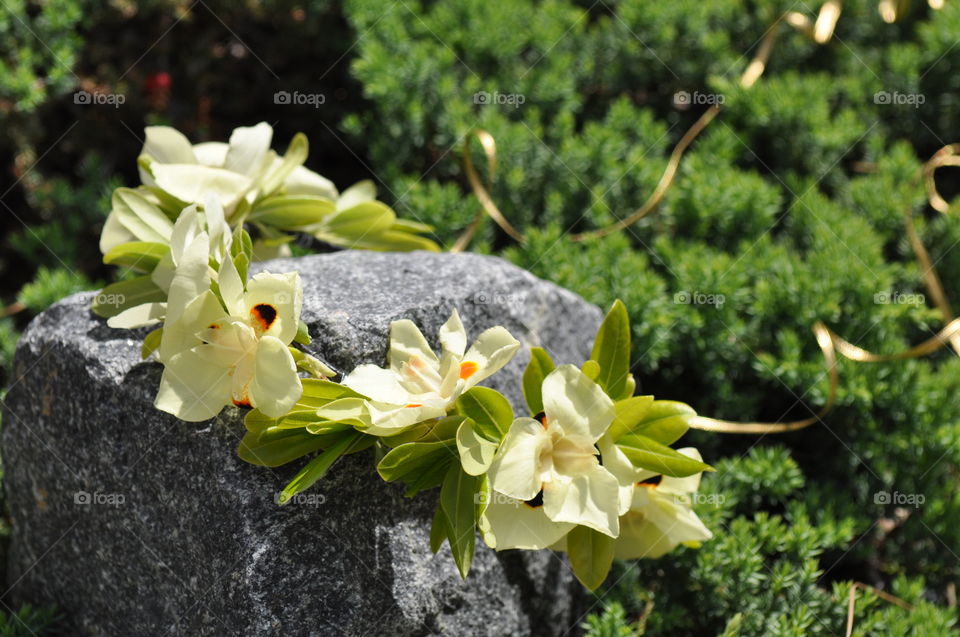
pixel 789 208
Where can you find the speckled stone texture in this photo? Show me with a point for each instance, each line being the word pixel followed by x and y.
pixel 134 523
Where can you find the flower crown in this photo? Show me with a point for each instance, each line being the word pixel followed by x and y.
pixel 587 468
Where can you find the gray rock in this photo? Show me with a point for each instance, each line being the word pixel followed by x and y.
pixel 132 522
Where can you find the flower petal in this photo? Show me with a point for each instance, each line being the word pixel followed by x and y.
pixel 389 420
pixel 211 153
pixel 190 183
pixel 682 486
pixel 139 316
pixel 192 389
pixel 248 149
pixel 181 334
pixel 191 278
pixel 114 233
pixel 303 181
pixel 231 287
pixel 517 525
pixel 476 452
pixel 515 470
pixel 167 145
pixel 275 386
pixel 406 343
pixel 273 303
pixel 617 463
pixel 576 403
pixel 377 384
pixel 453 337
pixel 358 193
pixel 655 525
pixel 491 351
pixel 591 499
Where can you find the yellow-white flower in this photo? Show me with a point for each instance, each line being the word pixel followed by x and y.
pixel 192 221
pixel 243 168
pixel 660 517
pixel 418 385
pixel 213 357
pixel 558 458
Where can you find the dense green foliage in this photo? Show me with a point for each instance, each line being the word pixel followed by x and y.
pixel 788 210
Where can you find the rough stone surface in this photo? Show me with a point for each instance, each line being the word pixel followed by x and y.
pixel 134 523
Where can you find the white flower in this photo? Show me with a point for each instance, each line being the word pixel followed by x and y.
pixel 214 357
pixel 659 517
pixel 244 168
pixel 559 458
pixel 418 385
pixel 191 222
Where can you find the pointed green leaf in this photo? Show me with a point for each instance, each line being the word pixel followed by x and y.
pixel 611 350
pixel 458 499
pixel 318 466
pixel 646 453
pixel 151 343
pixel 537 369
pixel 290 212
pixel 489 410
pixel 438 530
pixel 591 555
pixel 121 295
pixel 141 256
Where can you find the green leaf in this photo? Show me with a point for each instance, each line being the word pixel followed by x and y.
pixel 458 499
pixel 611 350
pixel 326 390
pixel 628 414
pixel 151 343
pixel 290 212
pixel 303 334
pixel 141 256
pixel 408 460
pixel 663 420
pixel 146 221
pixel 318 466
pixel 438 530
pixel 591 555
pixel 119 296
pixel 272 447
pixel 537 369
pixel 406 225
pixel 365 220
pixel 591 369
pixel 242 263
pixel 442 430
pixel 476 451
pixel 647 453
pixel 296 154
pixel 387 241
pixel 489 410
